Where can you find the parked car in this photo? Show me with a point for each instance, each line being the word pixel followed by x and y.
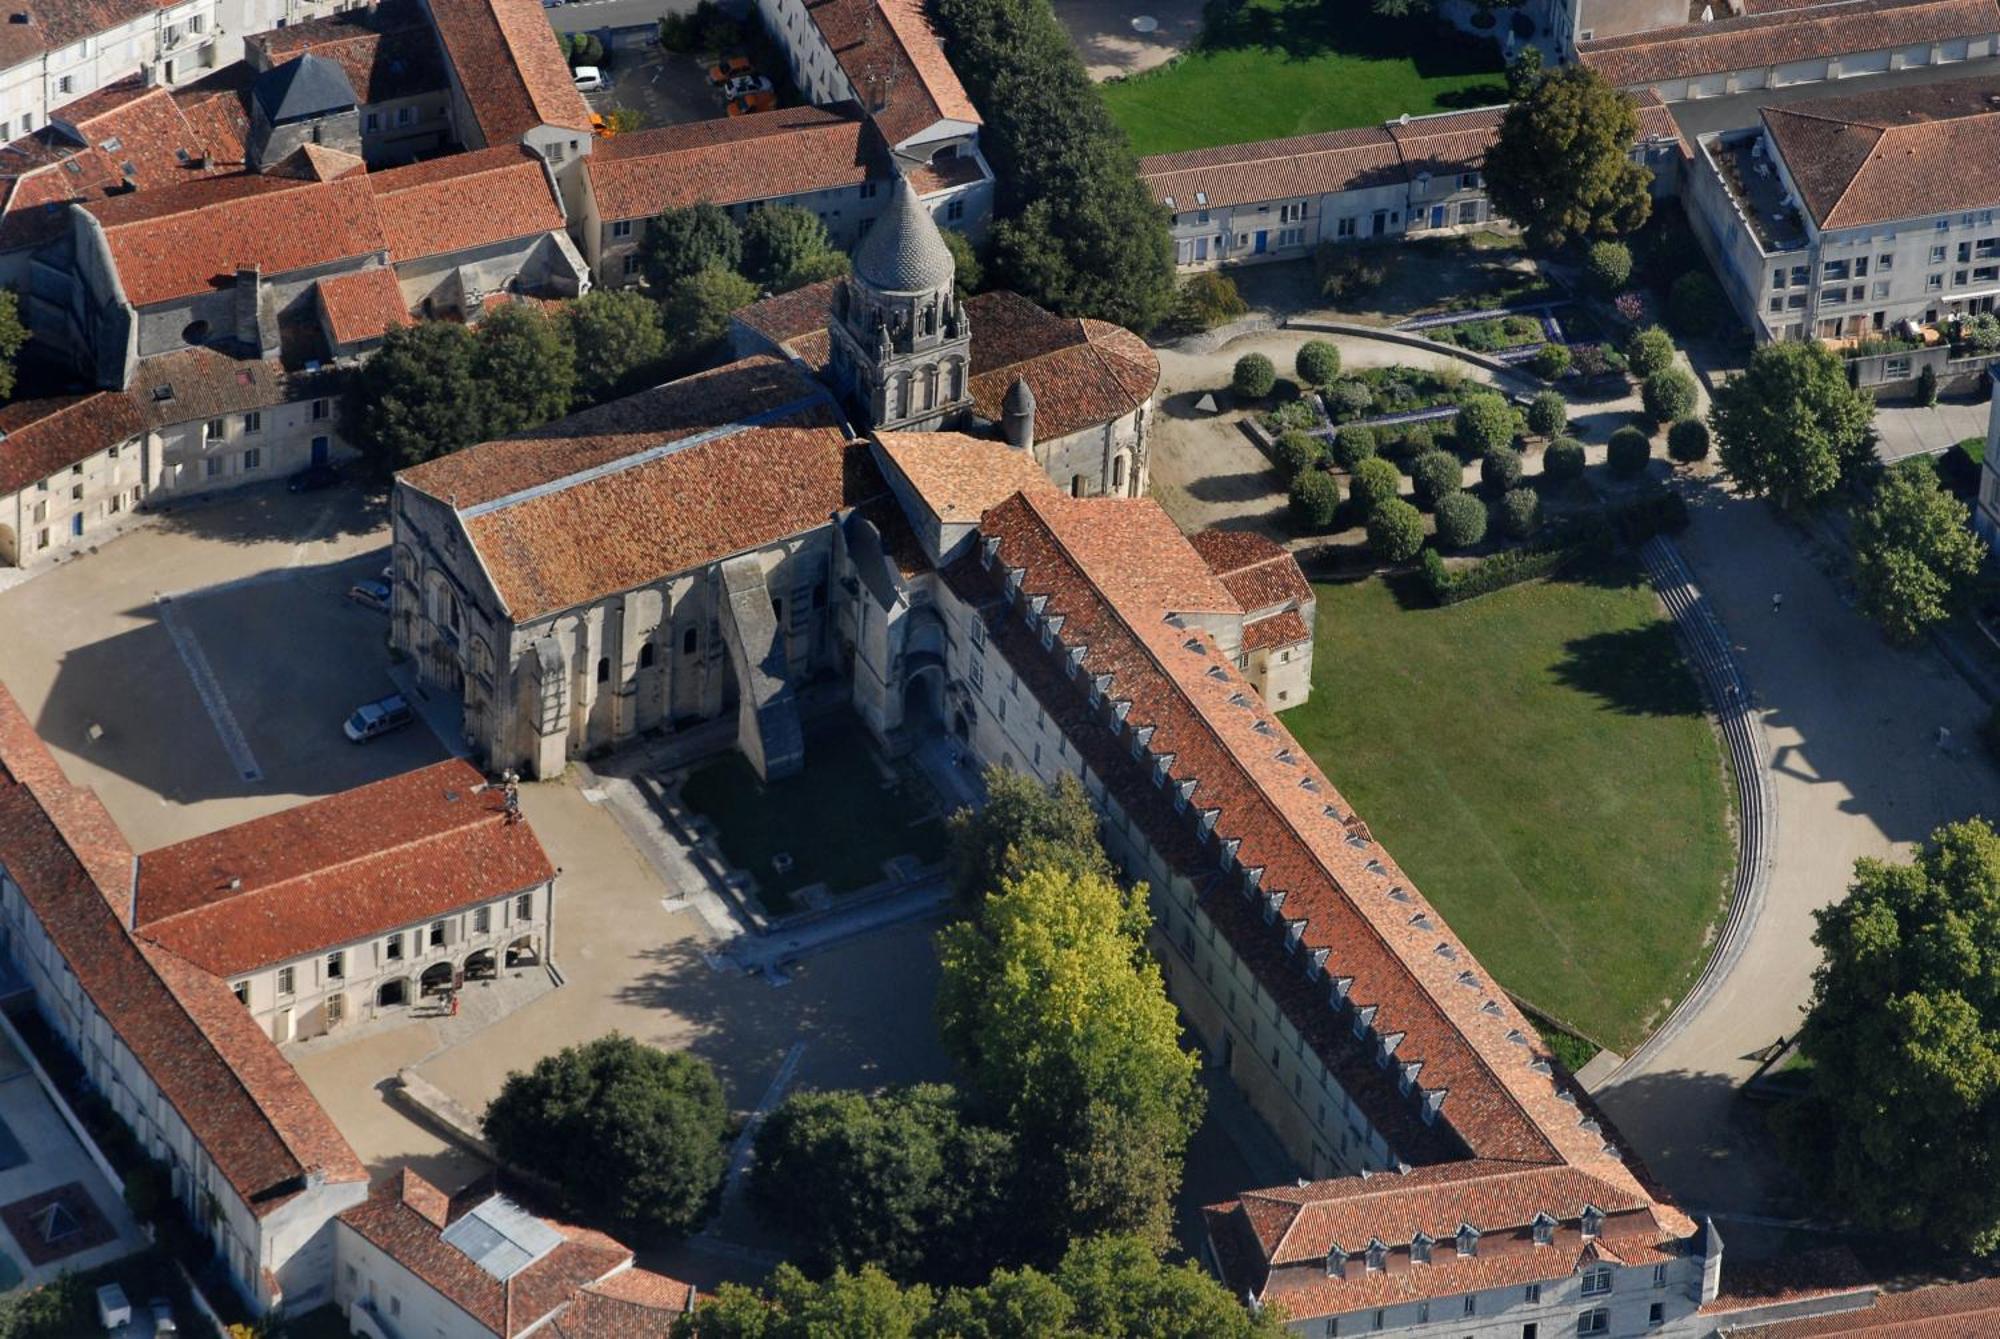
pixel 163 1317
pixel 753 102
pixel 745 84
pixel 114 1310
pixel 730 67
pixel 313 478
pixel 589 79
pixel 372 720
pixel 373 594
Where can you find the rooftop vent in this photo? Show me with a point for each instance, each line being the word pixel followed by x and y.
pixel 20 16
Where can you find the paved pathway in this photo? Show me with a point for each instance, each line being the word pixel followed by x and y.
pixel 1909 430
pixel 1849 729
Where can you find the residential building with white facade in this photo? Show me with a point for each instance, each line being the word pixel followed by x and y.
pixel 71 467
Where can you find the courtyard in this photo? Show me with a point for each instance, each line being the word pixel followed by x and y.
pixel 1273 68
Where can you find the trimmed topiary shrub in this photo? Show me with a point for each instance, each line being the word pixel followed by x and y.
pixel 1436 475
pixel 1550 361
pixel 1254 376
pixel 1667 395
pixel 1375 482
pixel 1297 451
pixel 1461 521
pixel 1563 460
pixel 1520 513
pixel 1630 449
pixel 1317 363
pixel 1395 531
pixel 1348 399
pixel 1607 267
pixel 1416 439
pixel 1352 445
pixel 1687 440
pixel 1650 350
pixel 1500 468
pixel 1927 388
pixel 1548 414
pixel 1484 421
pixel 1315 498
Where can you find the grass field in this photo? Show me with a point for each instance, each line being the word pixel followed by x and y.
pixel 1538 761
pixel 1293 67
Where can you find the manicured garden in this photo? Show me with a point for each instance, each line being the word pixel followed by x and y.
pixel 1269 68
pixel 1539 763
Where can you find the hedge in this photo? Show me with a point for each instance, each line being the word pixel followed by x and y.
pixel 1631 523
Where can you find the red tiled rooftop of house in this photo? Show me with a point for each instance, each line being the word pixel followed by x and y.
pixel 508 64
pixel 359 863
pixel 1083 372
pixel 1255 570
pixel 896 64
pixel 1762 40
pixel 731 160
pixel 387 50
pixel 45 436
pixel 424 207
pixel 1865 158
pixel 959 476
pixel 362 305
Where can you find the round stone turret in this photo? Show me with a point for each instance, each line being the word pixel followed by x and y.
pixel 1017 415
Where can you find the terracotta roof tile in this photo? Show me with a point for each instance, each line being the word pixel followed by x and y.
pixel 1286 628
pixel 1893 153
pixel 362 305
pixel 360 863
pixel 57 23
pixel 631 1304
pixel 896 64
pixel 43 437
pixel 960 476
pixel 1258 573
pixel 423 206
pixel 1323 164
pixel 387 51
pixel 1938 1311
pixel 786 316
pixel 193 384
pixel 1760 41
pixel 513 74
pixel 1083 372
pixel 734 160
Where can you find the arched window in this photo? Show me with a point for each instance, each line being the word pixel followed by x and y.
pixel 194 332
pixel 957 382
pixel 482 657
pixel 687 642
pixel 604 669
pixel 1076 485
pixel 930 387
pixel 646 656
pixel 1118 472
pixel 902 395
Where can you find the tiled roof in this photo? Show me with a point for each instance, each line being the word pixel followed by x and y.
pixel 631 1304
pixel 191 238
pixel 1256 571
pixel 1285 628
pixel 240 1099
pixel 896 63
pixel 1083 372
pixel 1893 153
pixel 667 480
pixel 733 159
pixel 387 50
pixel 193 384
pixel 54 24
pixel 787 316
pixel 360 863
pixel 400 1218
pixel 1471 1086
pixel 1323 164
pixel 1443 145
pixel 363 304
pixel 1760 41
pixel 424 206
pixel 960 476
pixel 513 74
pixel 1939 1311
pixel 42 437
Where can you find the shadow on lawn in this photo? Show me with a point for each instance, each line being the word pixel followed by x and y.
pixel 1309 29
pixel 1634 671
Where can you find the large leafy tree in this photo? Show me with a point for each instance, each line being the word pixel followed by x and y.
pixel 1915 556
pixel 683 242
pixel 898 1180
pixel 696 310
pixel 617 334
pixel 786 247
pixel 1901 1125
pixel 1075 227
pixel 1024 825
pixel 524 360
pixel 13 334
pixel 629 1135
pixel 1561 163
pixel 1052 1003
pixel 864 1305
pixel 418 397
pixel 1790 427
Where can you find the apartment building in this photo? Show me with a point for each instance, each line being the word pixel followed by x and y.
pixel 70 468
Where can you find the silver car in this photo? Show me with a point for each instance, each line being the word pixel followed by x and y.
pixel 372 720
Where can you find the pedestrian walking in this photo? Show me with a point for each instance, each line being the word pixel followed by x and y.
pixel 453 998
pixel 1777 600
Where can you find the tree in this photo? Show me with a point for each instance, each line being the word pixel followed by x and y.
pixel 1122 1290
pixel 1075 228
pixel 1915 557
pixel 682 243
pixel 696 310
pixel 616 332
pixel 968 270
pixel 1648 351
pixel 1436 475
pixel 1500 468
pixel 1253 376
pixel 1315 500
pixel 1374 482
pixel 13 334
pixel 1564 459
pixel 1352 445
pixel 1548 413
pixel 1520 513
pixel 1687 440
pixel 1348 399
pixel 1053 1005
pixel 1484 421
pixel 900 1180
pixel 1900 1126
pixel 1298 452
pixel 1461 521
pixel 1024 825
pixel 1560 164
pixel 1607 267
pixel 1627 452
pixel 1927 385
pixel 1395 531
pixel 1207 300
pixel 1790 427
pixel 418 397
pixel 524 360
pixel 1696 304
pixel 1317 363
pixel 1667 395
pixel 1550 361
pixel 1523 72
pixel 864 1305
pixel 626 1133
pixel 786 247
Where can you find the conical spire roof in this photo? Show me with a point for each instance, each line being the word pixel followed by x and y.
pixel 904 252
pixel 1020 397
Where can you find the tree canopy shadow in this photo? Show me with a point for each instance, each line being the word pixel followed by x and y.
pixel 266 513
pixel 1634 671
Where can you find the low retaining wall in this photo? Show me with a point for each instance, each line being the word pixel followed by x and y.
pixel 1412 341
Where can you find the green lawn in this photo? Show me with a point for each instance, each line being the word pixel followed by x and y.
pixel 835 818
pixel 1539 763
pixel 1292 67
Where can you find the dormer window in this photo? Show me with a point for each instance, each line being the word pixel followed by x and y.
pixel 1468 1241
pixel 1420 1249
pixel 1336 1263
pixel 1378 1257
pixel 1545 1230
pixel 1593 1221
